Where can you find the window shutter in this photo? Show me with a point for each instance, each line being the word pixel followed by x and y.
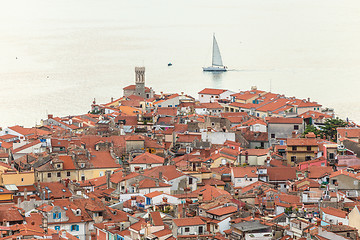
pixel 77 227
pixel 54 215
pixel 59 215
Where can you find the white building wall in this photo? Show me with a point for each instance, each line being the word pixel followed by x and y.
pixel 335 220
pixel 226 95
pixel 170 199
pixel 258 128
pixel 217 137
pixel 67 226
pixel 242 182
pixel 149 190
pixel 224 225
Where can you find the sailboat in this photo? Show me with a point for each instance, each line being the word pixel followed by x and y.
pixel 217 64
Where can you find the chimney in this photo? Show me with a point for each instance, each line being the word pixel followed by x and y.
pixel 133 201
pixel 25 194
pixel 200 198
pixel 160 175
pixel 293 134
pixel 157 182
pixel 50 116
pixel 308 99
pixel 112 99
pixel 108 175
pixel 55 236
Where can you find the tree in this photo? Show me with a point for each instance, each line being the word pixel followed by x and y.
pixel 312 128
pixel 329 130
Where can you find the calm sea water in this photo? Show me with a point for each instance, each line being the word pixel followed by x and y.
pixel 57 55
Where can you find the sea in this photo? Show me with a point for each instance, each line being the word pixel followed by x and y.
pixel 57 56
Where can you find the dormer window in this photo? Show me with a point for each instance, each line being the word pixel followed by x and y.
pixel 78 212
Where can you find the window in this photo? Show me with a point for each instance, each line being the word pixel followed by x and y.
pixel 82 178
pixel 58 174
pixel 56 215
pixel 307 158
pixel 293 158
pixel 294 148
pixel 74 228
pixel 49 175
pixel 187 229
pixel 57 228
pixel 68 174
pixel 273 135
pixel 308 148
pixel 22 179
pixel 296 127
pixel 334 181
pixel 190 180
pixel 331 155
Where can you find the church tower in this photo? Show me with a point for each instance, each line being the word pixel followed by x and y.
pixel 140 81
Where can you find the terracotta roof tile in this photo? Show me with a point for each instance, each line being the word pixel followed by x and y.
pixel 181 222
pixel 212 91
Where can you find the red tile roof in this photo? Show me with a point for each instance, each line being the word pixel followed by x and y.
pixel 245 95
pixel 133 87
pixel 148 158
pixel 181 222
pixel 156 219
pixel 68 163
pixel 212 91
pixel 334 212
pixel 209 192
pixel 281 120
pixel 103 159
pixel 153 194
pixel 281 173
pixel 301 142
pixel 167 111
pixel 241 172
pixel 149 183
pixel 223 211
pixel 169 172
pixel 349 132
pixel 315 115
pixel 213 105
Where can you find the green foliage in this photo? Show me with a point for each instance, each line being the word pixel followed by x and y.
pixel 94 111
pixel 327 131
pixel 312 128
pixel 288 210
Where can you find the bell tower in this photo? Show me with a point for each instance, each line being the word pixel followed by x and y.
pixel 140 81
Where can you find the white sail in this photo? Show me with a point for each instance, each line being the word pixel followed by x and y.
pixel 216 57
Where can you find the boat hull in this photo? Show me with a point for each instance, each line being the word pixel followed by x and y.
pixel 214 69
